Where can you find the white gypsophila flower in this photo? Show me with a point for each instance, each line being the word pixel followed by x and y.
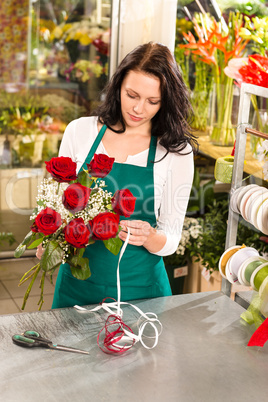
pixel 262 151
pixel 180 250
pixel 50 195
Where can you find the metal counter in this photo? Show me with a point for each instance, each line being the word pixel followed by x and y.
pixel 202 355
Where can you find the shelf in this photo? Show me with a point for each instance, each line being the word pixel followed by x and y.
pixel 251 166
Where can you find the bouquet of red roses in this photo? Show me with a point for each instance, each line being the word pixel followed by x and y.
pixel 73 211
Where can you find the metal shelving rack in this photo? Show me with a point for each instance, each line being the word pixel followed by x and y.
pixel 243 128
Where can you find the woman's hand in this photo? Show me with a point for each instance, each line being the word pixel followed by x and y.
pixel 142 234
pixel 39 251
pixel 139 232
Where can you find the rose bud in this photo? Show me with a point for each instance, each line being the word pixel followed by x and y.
pixel 123 202
pixel 75 197
pixel 104 226
pixel 62 169
pixel 100 166
pixel 48 221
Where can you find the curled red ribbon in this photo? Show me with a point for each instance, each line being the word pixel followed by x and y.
pixel 114 333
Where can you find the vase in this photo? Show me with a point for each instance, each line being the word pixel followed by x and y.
pixel 260 123
pixel 223 113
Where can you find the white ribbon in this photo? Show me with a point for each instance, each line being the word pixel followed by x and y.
pixel 114 308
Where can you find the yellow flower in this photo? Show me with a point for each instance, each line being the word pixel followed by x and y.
pixel 85 40
pixel 57 33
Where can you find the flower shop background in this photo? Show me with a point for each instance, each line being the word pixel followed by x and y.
pixel 56 60
pixel 54 65
pixel 218 46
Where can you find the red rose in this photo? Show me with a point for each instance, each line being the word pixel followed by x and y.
pixel 100 165
pixel 75 197
pixel 123 202
pixel 77 233
pixel 47 221
pixel 104 226
pixel 62 169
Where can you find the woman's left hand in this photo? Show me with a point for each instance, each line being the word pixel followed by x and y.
pixel 140 231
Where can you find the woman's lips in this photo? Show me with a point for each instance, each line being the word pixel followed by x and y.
pixel 134 118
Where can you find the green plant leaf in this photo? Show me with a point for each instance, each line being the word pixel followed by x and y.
pixel 52 257
pixel 28 238
pixel 113 245
pixel 84 179
pixel 19 250
pixel 79 266
pixel 35 243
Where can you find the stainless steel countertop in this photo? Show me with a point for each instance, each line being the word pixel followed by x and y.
pixel 202 355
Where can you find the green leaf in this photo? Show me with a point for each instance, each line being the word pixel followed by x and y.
pixel 35 243
pixel 28 238
pixel 79 266
pixel 52 256
pixel 113 245
pixel 19 250
pixel 84 179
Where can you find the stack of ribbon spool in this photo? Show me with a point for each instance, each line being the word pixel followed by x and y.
pixel 244 265
pixel 252 203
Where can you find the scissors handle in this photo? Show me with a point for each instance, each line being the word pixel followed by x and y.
pixel 27 342
pixel 37 337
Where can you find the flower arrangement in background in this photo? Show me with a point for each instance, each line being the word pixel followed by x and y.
pixel 84 70
pixel 252 70
pixel 216 47
pixel 192 229
pixel 82 33
pixel 73 211
pixel 256 30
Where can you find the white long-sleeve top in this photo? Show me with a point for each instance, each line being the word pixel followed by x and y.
pixel 173 176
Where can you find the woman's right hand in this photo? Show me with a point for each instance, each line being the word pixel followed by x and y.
pixel 39 251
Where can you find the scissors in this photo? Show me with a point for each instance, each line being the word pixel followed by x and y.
pixel 30 339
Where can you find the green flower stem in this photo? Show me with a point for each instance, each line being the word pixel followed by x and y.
pixel 34 276
pixel 223 131
pixel 42 284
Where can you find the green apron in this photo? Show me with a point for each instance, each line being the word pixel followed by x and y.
pixel 142 274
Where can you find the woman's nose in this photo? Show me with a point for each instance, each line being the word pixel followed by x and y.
pixel 138 107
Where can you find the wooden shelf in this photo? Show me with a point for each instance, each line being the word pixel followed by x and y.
pixel 252 166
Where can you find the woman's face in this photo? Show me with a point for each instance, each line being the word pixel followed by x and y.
pixel 140 98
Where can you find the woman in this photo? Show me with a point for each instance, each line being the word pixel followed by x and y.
pixel 143 124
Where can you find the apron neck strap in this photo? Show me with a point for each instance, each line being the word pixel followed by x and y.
pixel 151 154
pixel 96 142
pixel 152 151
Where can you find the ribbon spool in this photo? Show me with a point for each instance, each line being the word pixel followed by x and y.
pixel 259 276
pixel 224 169
pixel 238 259
pixel 247 269
pixel 225 257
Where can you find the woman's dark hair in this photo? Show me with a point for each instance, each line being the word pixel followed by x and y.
pixel 171 123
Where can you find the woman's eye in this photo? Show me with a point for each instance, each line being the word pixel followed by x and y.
pixel 131 96
pixel 154 103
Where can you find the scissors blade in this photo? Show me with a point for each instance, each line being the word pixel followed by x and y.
pixel 67 349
